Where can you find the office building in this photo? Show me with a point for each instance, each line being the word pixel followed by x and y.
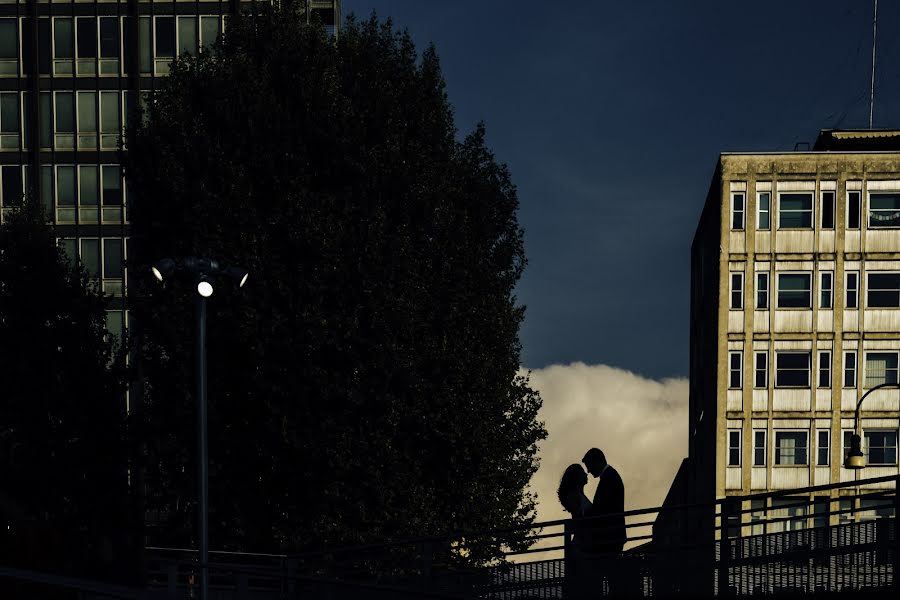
pixel 795 315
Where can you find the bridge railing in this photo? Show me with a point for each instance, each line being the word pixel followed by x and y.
pixel 831 537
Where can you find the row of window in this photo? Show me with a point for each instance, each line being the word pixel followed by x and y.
pixel 793 369
pixel 73 193
pixel 102 258
pixel 795 210
pixel 795 290
pixel 91 46
pixel 791 447
pixel 83 120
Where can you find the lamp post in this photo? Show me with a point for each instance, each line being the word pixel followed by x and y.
pixel 202 271
pixel 855 458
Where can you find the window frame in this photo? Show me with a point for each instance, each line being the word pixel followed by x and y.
pixel 867 446
pixel 854 212
pixel 826 355
pixel 760 450
pixel 763 208
pixel 5 70
pixel 820 446
pixel 736 294
pixel 735 357
pixel 738 212
pixel 826 289
pixel 827 199
pixel 869 210
pixel 762 290
pixel 809 289
pixel 777 448
pixel 812 210
pixel 734 448
pixel 870 288
pixel 62 66
pixel 11 140
pixel 867 382
pixel 761 371
pixel 850 371
pixel 778 369
pixel 854 290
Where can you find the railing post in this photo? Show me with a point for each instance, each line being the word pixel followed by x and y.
pixel 427 551
pixel 569 574
pixel 241 586
pixel 291 578
pixel 724 589
pixel 896 549
pixel 172 580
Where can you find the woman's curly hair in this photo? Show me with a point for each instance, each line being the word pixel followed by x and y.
pixel 573 479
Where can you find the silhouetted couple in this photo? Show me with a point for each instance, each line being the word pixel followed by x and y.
pixel 599 526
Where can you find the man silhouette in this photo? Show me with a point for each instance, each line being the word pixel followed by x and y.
pixel 608 536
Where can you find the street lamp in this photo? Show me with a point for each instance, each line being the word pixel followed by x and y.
pixel 203 272
pixel 855 458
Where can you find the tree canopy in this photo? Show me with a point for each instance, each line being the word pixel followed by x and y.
pixel 63 462
pixel 363 385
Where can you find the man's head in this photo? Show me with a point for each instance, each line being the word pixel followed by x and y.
pixel 594 460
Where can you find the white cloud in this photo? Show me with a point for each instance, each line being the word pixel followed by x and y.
pixel 640 424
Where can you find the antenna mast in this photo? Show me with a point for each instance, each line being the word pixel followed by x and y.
pixel 872 88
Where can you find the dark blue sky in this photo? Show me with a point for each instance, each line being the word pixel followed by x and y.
pixel 610 116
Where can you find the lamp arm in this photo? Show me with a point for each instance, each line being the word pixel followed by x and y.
pixel 858 404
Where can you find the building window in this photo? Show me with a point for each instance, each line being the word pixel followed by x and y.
pixel 883 290
pixel 761 370
pixel 881 447
pixel 762 290
pixel 113 273
pixel 791 447
pixel 87 120
pixel 64 123
pixel 794 290
pixel 826 289
pixel 111 193
pixel 759 448
pixel 187 35
pixel 9 48
pixel 734 448
pixel 109 46
pixel 737 211
pixel 164 43
pixel 210 29
pixel 881 367
pixel 734 370
pixel 90 256
pixel 792 369
pixel 63 46
pixel 763 203
pixel 850 369
pixel 737 291
pixel 88 194
pixel 10 124
pixel 822 447
pixel 827 210
pixel 65 194
pixel 110 120
pixel 86 46
pixel 69 247
pixel 115 323
pixel 884 210
pixel 852 300
pixel 853 210
pixel 790 515
pixel 824 369
pixel 795 210
pixel 11 189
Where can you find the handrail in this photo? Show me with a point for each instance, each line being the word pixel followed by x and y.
pixel 83 585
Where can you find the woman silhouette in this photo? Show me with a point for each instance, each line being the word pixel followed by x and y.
pixel 571 491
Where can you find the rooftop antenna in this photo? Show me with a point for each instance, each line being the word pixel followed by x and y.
pixel 872 88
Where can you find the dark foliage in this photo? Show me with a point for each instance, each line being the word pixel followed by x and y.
pixel 364 385
pixel 63 462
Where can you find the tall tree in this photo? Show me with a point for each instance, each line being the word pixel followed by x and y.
pixel 63 465
pixel 364 384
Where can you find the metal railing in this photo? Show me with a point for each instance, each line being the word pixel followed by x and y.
pixel 830 538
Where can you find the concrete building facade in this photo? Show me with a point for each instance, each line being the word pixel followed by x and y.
pixel 71 72
pixel 795 314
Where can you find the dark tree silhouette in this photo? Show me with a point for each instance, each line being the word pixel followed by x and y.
pixel 63 464
pixel 365 384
